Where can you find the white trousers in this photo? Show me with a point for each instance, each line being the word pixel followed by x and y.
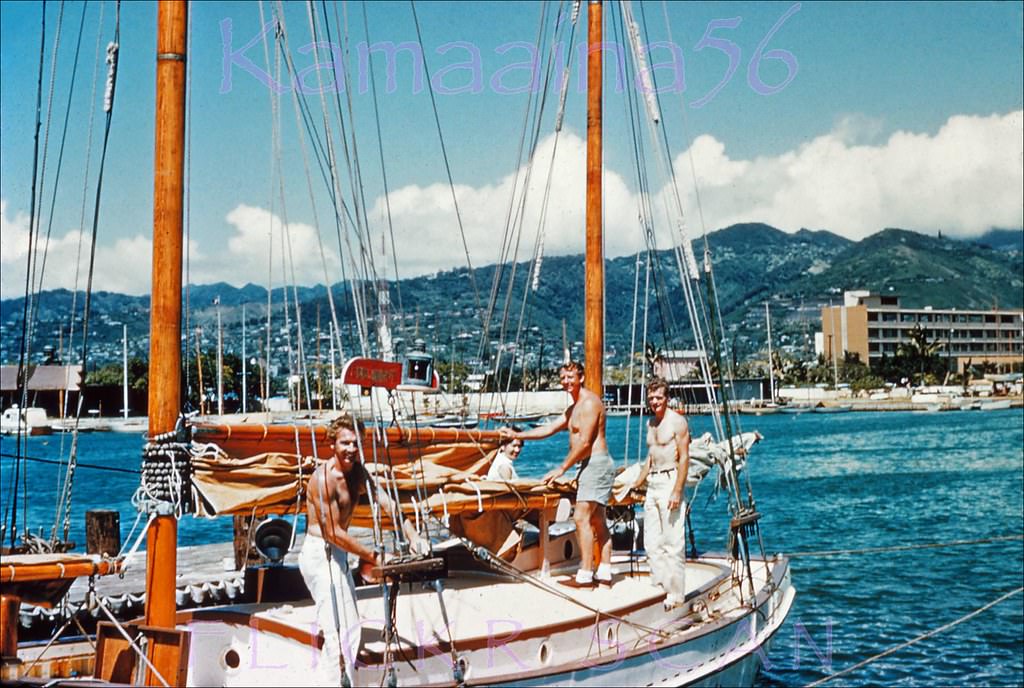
pixel 665 537
pixel 334 593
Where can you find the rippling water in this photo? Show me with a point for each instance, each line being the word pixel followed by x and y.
pixel 822 482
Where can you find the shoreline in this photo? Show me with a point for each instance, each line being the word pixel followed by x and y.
pixel 553 402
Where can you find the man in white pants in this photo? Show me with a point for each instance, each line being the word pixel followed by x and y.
pixel 668 460
pixel 334 490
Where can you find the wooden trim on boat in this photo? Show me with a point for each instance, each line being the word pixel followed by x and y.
pixel 250 619
pixel 24 573
pixel 649 647
pixel 283 629
pixel 414 434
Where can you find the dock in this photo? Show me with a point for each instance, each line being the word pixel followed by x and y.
pixel 207 576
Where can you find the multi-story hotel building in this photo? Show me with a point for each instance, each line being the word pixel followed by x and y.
pixel 872 325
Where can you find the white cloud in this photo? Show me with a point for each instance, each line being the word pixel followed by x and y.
pixel 424 217
pixel 962 180
pixel 256 245
pixel 124 266
pixel 56 259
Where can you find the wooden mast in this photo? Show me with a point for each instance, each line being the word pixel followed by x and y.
pixel 593 345
pixel 165 315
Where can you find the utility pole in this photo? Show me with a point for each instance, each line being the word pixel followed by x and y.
pixel 220 362
pixel 245 388
pixel 124 339
pixel 771 363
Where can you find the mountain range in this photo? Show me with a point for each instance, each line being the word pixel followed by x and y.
pixel 797 273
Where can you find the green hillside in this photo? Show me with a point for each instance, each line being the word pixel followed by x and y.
pixel 753 264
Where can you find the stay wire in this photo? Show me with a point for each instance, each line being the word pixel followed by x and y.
pixel 53 202
pixel 917 639
pixel 99 185
pixel 645 214
pixel 383 168
pixel 697 307
pixel 903 548
pixel 85 185
pixel 514 226
pixel 41 247
pixel 521 208
pixel 79 464
pixel 444 153
pixel 334 186
pixel 355 168
pixel 16 475
pixel 60 153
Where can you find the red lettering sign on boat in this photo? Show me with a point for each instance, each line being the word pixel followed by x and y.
pixel 369 372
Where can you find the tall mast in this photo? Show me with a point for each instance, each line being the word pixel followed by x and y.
pixel 165 318
pixel 593 345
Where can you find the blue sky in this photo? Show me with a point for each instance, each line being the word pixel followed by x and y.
pixel 889 114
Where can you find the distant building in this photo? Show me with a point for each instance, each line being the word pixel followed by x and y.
pixel 47 386
pixel 677 365
pixel 874 325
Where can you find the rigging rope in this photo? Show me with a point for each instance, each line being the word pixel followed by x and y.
pixel 40 246
pixel 484 555
pixel 917 639
pixel 60 154
pixel 444 153
pixel 16 474
pixel 334 190
pixel 901 548
pixel 383 169
pixel 85 188
pixel 79 464
pixel 516 215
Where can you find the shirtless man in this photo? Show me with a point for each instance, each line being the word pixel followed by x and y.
pixel 668 460
pixel 333 491
pixel 585 420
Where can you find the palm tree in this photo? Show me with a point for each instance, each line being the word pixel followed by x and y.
pixel 919 354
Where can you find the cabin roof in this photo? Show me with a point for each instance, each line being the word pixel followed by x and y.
pixel 43 378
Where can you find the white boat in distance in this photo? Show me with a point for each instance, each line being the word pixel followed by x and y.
pixel 996 405
pixel 31 420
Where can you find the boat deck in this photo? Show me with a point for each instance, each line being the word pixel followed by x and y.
pixel 479 607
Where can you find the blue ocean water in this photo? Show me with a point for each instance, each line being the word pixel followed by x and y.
pixel 822 482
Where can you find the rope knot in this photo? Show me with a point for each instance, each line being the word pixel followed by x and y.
pixel 166 481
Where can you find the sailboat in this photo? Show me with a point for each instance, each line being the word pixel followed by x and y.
pixel 483 605
pixel 760 407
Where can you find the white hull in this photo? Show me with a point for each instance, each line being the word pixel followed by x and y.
pixel 509 632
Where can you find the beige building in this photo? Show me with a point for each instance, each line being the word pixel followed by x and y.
pixel 677 365
pixel 872 325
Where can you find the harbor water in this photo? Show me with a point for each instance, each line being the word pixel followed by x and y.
pixel 827 486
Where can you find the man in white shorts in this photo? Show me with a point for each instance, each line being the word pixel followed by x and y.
pixel 585 421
